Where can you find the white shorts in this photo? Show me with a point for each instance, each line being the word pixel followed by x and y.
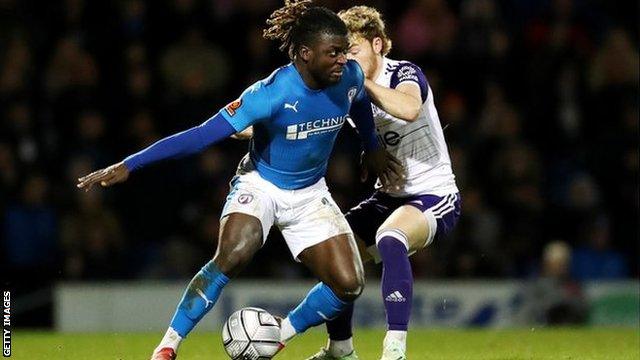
pixel 305 216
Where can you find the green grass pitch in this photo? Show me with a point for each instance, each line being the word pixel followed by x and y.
pixel 548 343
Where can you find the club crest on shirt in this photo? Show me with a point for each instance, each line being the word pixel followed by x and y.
pixel 351 93
pixel 233 106
pixel 245 198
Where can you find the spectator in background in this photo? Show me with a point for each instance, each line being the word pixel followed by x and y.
pixel 90 137
pixel 138 76
pixel 595 259
pixel 9 175
pixel 555 298
pixel 71 68
pixel 195 72
pixel 427 26
pixel 194 67
pixel 21 129
pixel 615 63
pixel 30 229
pixel 92 240
pixel 517 173
pixel 16 69
pixel 477 240
pixel 142 130
pixel 133 18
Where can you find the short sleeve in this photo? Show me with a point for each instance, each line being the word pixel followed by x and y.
pixel 253 106
pixel 408 72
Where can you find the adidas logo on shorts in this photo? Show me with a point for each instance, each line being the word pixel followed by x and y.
pixel 395 296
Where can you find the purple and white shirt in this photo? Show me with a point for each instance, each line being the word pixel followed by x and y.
pixel 420 145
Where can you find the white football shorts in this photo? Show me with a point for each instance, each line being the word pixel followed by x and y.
pixel 306 216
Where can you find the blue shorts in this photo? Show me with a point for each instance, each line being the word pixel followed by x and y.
pixel 441 212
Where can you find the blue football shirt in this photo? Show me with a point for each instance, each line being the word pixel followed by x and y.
pixel 294 127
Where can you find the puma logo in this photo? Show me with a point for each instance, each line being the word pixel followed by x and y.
pixel 292 107
pixel 202 295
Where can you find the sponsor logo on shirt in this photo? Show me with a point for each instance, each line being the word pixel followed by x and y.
pixel 407 72
pixel 316 127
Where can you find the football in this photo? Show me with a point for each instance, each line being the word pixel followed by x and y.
pixel 251 334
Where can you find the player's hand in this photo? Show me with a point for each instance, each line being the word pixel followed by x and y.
pixel 389 169
pixel 245 134
pixel 108 176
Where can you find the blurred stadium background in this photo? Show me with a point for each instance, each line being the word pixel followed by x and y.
pixel 540 100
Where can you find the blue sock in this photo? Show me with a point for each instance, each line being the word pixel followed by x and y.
pixel 397 279
pixel 199 297
pixel 320 305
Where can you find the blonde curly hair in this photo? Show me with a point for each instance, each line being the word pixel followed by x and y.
pixel 366 22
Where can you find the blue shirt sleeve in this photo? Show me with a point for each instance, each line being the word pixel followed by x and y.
pixel 253 106
pixel 361 112
pixel 359 75
pixel 184 143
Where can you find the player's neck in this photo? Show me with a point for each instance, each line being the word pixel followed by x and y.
pixel 379 63
pixel 307 78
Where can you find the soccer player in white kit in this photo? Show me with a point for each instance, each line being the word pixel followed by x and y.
pixel 396 221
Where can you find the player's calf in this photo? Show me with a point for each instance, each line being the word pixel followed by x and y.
pixel 320 304
pixel 397 286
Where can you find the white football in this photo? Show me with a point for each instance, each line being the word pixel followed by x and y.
pixel 251 334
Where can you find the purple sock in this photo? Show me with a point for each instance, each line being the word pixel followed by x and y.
pixel 397 280
pixel 340 327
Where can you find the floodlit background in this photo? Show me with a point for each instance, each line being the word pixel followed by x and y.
pixel 540 100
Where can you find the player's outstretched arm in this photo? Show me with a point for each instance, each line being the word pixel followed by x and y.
pixel 184 143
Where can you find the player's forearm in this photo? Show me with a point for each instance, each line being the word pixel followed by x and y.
pixel 394 102
pixel 182 144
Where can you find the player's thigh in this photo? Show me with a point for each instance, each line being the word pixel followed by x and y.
pixel 336 262
pixel 246 218
pixel 411 222
pixel 313 217
pixel 240 238
pixel 365 218
pixel 319 236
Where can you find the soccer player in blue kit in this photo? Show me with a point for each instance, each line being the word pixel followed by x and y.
pixel 296 114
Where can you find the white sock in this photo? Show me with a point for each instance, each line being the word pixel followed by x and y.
pixel 398 335
pixel 339 348
pixel 171 339
pixel 287 331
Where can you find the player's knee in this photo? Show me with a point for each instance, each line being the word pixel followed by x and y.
pixel 348 287
pixel 230 265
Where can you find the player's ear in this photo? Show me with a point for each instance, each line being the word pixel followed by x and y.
pixel 376 44
pixel 304 52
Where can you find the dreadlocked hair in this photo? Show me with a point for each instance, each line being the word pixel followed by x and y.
pixel 297 23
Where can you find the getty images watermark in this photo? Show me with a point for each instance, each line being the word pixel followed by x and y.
pixel 6 323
